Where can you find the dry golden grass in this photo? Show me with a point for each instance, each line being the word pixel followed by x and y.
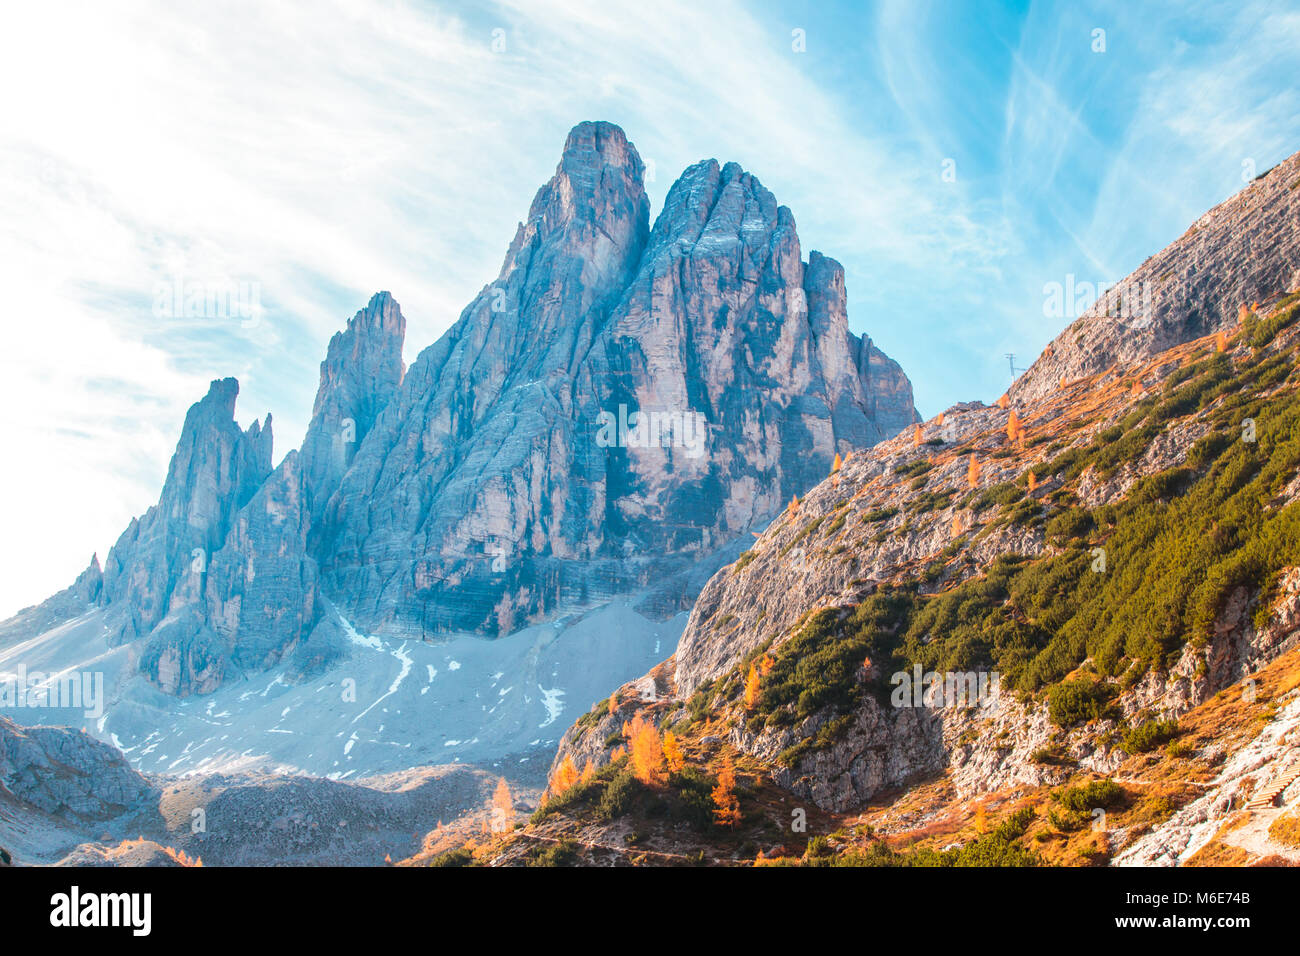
pixel 1219 854
pixel 1286 829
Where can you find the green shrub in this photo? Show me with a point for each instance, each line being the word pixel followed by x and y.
pixel 919 467
pixel 1075 701
pixel 1260 333
pixel 619 795
pixel 1068 526
pixel 564 853
pixel 1102 794
pixel 457 857
pixel 1148 736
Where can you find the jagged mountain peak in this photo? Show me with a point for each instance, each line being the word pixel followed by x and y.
pixel 594 210
pixel 379 327
pixel 595 144
pixel 503 479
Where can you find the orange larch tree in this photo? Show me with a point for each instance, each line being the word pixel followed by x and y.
pixel 565 776
pixel 752 682
pixel 503 807
pixel 673 752
pixel 726 806
pixel 647 751
pixel 973 472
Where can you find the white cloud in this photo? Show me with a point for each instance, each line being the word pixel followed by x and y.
pixel 328 150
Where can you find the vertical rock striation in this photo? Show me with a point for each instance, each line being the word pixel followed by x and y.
pixel 621 405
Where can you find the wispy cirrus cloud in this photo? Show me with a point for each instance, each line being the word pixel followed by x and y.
pixel 324 151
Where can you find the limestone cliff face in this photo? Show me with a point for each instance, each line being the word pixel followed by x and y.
pixel 1242 251
pixel 611 415
pixel 509 480
pixel 259 598
pixel 362 370
pixel 910 511
pixel 159 562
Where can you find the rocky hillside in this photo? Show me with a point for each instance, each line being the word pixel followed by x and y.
pixel 70 800
pixel 1013 606
pixel 609 417
pixel 57 785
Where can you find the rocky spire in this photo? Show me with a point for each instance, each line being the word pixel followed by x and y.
pixel 363 367
pixel 486 495
pixel 160 560
pixel 505 477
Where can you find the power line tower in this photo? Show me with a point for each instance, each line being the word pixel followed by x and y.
pixel 1011 363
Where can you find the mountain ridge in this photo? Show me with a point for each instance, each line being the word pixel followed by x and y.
pixel 474 491
pixel 784 665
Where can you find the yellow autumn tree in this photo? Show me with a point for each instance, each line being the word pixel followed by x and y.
pixel 726 806
pixel 1221 342
pixel 917 435
pixel 503 807
pixel 565 776
pixel 837 463
pixel 673 756
pixel 1013 426
pixel 1033 481
pixel 588 772
pixel 1004 401
pixel 794 504
pixel 752 687
pixel 647 751
pixel 973 472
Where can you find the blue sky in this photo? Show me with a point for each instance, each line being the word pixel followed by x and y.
pixel 313 153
